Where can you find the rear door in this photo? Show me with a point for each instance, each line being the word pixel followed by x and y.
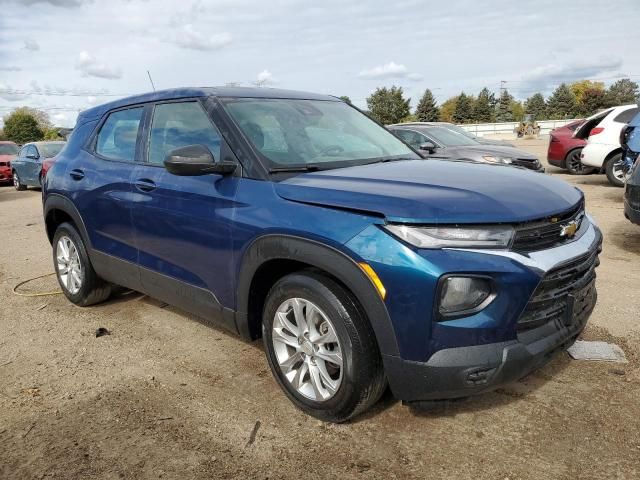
pixel 184 224
pixel 103 194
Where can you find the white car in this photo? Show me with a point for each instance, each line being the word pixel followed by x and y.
pixel 603 150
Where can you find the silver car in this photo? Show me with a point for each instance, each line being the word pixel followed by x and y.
pixel 443 142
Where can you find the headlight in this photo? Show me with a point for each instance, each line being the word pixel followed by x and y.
pixel 497 236
pixel 464 295
pixel 494 159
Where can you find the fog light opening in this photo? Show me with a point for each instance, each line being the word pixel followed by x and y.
pixel 464 295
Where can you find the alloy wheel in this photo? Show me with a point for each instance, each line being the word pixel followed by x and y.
pixel 16 180
pixel 307 349
pixel 69 265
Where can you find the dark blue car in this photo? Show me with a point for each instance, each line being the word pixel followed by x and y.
pixel 630 141
pixel 294 217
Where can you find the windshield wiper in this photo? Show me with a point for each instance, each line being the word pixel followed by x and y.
pixel 295 168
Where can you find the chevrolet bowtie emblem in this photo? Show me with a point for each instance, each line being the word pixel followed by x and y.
pixel 569 230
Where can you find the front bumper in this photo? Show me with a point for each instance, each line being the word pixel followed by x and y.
pixel 5 175
pixel 632 214
pixel 461 371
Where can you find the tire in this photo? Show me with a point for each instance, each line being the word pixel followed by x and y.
pixel 574 165
pixel 82 285
pixel 360 381
pixel 17 183
pixel 613 170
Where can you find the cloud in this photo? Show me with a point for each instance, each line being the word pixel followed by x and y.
pixel 264 78
pixel 31 44
pixel 546 77
pixel 9 94
pixel 91 67
pixel 55 3
pixel 389 70
pixel 9 68
pixel 188 37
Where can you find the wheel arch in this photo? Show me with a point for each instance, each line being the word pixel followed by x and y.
pixel 610 155
pixel 570 152
pixel 59 209
pixel 273 256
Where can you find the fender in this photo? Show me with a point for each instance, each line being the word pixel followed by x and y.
pixel 60 202
pixel 319 255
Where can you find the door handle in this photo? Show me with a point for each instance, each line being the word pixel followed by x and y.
pixel 145 185
pixel 76 174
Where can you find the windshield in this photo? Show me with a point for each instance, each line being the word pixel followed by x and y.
pixel 449 138
pixel 49 150
pixel 460 130
pixel 8 149
pixel 289 132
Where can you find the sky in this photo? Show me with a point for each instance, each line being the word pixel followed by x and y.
pixel 64 56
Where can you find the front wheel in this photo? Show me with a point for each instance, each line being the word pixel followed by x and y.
pixel 575 165
pixel 76 276
pixel 19 186
pixel 321 348
pixel 615 171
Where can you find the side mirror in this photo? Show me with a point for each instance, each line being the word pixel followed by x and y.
pixel 33 156
pixel 195 160
pixel 427 147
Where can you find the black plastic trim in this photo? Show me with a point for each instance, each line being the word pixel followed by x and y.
pixel 324 257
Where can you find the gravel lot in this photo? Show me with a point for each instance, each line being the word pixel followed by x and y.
pixel 166 396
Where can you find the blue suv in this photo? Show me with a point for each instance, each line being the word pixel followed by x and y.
pixel 296 218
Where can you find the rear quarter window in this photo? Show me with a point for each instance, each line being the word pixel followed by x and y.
pixel 626 116
pixel 117 137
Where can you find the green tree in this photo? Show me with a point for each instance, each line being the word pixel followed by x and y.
pixel 427 110
pixel 447 108
pixel 562 103
pixel 463 112
pixel 483 110
pixel 52 134
pixel 388 105
pixel 517 110
pixel 536 106
pixel 504 113
pixel 622 92
pixel 22 127
pixel 346 99
pixel 592 100
pixel 44 122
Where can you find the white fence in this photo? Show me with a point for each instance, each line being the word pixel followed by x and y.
pixel 482 129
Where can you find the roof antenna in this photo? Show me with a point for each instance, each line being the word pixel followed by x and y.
pixel 151 80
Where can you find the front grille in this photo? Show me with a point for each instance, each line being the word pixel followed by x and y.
pixel 4 164
pixel 546 233
pixel 566 294
pixel 632 196
pixel 526 162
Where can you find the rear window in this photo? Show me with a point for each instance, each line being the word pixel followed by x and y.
pixel 626 116
pixel 8 149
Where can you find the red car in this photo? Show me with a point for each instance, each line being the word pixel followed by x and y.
pixel 8 151
pixel 564 150
pixel 46 165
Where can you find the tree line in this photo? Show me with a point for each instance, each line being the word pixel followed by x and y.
pixel 574 100
pixel 26 124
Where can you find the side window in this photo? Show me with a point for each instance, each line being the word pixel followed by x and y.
pixel 31 150
pixel 626 116
pixel 177 125
pixel 412 138
pixel 117 137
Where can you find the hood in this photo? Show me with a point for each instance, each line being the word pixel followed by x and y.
pixel 490 141
pixel 435 191
pixel 7 158
pixel 497 150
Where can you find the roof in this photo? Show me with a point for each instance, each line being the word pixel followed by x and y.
pixel 5 142
pixel 191 92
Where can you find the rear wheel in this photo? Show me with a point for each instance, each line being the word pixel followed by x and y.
pixel 17 183
pixel 574 165
pixel 615 170
pixel 76 276
pixel 321 348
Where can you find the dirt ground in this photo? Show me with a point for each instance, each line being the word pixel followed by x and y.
pixel 165 396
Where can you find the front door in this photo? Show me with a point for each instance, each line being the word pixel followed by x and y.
pixel 184 224
pixel 32 166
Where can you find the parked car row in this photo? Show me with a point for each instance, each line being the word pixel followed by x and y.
pixel 27 166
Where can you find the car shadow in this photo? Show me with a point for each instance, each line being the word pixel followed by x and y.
pixel 626 236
